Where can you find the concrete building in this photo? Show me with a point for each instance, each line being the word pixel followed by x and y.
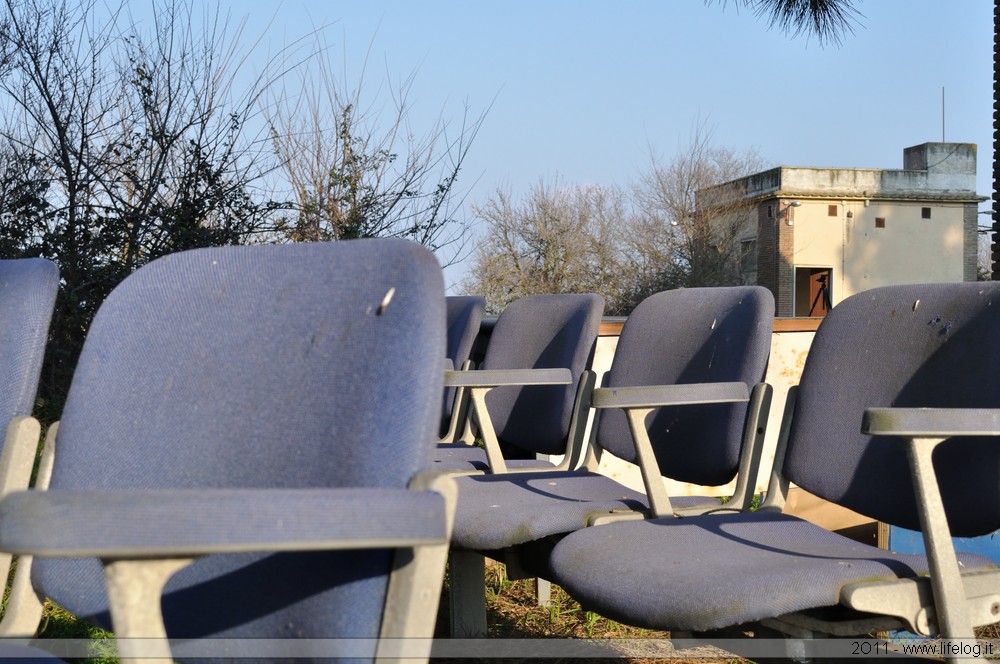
pixel 814 236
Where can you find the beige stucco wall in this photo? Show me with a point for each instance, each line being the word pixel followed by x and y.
pixel 909 249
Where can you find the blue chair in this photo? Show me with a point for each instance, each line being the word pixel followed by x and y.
pixel 464 319
pixel 28 289
pixel 529 396
pixel 898 395
pixel 246 426
pixel 684 399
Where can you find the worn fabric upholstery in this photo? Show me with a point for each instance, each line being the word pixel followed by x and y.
pixel 462 457
pixel 28 290
pixel 708 572
pixel 311 365
pixel 692 335
pixel 537 332
pixel 914 346
pixel 927 345
pixel 498 511
pixel 541 332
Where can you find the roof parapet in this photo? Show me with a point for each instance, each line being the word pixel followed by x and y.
pixel 932 171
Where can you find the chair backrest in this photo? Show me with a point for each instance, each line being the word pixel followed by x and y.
pixel 28 288
pixel 464 315
pixel 541 332
pixel 934 345
pixel 691 335
pixel 312 365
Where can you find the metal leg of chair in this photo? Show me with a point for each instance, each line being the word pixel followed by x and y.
pixel 543 592
pixel 467 594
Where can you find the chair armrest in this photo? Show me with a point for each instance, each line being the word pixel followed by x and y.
pixel 186 523
pixel 144 536
pixel 505 377
pixel 656 396
pixel 931 422
pixel 639 401
pixel 480 381
pixel 923 429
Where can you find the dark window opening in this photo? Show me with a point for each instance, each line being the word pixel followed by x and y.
pixel 879 222
pixel 831 210
pixel 925 213
pixel 748 257
pixel 813 294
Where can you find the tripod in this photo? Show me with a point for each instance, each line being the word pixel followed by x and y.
pixel 822 295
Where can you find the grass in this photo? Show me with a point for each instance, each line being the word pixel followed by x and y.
pixel 57 623
pixel 513 613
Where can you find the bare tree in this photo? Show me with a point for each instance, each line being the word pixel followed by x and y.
pixel 667 231
pixel 685 235
pixel 119 145
pixel 356 171
pixel 559 239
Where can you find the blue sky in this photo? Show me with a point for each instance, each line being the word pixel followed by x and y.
pixel 584 90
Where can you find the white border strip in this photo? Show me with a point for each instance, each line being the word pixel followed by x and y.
pixel 511 648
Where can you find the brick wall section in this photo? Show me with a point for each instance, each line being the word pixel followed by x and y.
pixel 775 248
pixel 785 305
pixel 970 258
pixel 766 267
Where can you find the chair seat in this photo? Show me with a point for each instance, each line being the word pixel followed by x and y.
pixel 499 511
pixel 654 573
pixel 450 457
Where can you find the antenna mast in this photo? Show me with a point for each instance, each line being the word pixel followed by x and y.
pixel 942 114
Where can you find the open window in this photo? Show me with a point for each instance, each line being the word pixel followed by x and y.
pixel 813 294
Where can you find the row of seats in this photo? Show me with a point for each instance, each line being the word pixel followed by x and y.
pixel 246 453
pixel 895 377
pixel 713 341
